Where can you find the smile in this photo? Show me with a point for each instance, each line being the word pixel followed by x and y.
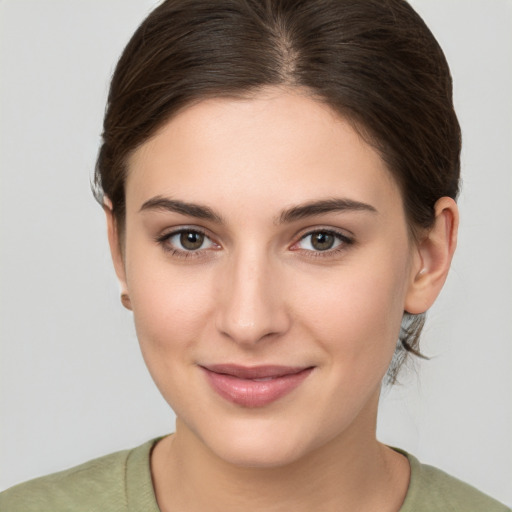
pixel 254 386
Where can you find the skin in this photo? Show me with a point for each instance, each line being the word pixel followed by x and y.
pixel 258 292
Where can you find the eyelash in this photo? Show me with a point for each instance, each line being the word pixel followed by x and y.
pixel 181 253
pixel 344 243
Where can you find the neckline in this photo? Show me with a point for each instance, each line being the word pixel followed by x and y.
pixel 140 493
pixel 139 490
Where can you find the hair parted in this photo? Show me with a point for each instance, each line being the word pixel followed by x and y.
pixel 374 62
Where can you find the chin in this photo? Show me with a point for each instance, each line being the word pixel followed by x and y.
pixel 262 444
pixel 258 453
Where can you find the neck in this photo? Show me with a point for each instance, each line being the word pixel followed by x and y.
pixel 350 472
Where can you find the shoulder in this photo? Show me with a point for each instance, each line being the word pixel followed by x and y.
pixel 100 484
pixel 434 490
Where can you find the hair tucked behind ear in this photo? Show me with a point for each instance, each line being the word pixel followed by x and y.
pixel 407 343
pixel 374 62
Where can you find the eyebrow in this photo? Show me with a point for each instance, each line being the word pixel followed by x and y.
pixel 189 209
pixel 292 214
pixel 322 207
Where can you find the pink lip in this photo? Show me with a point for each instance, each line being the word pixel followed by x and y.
pixel 238 384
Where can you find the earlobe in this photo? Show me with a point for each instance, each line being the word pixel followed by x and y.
pixel 434 256
pixel 116 251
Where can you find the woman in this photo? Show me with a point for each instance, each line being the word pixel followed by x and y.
pixel 279 182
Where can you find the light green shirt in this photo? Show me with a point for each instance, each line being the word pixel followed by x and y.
pixel 121 482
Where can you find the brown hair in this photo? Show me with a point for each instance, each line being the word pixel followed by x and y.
pixel 373 61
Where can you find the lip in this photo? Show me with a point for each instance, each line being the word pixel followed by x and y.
pixel 254 386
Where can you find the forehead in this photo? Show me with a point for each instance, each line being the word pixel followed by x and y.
pixel 279 146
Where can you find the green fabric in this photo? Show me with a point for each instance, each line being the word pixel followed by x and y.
pixel 432 490
pixel 121 482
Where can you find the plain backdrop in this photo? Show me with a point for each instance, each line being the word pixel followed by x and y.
pixel 73 385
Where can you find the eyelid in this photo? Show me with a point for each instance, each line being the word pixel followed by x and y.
pixel 163 238
pixel 345 239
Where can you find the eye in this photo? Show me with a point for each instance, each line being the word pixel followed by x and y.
pixel 186 240
pixel 189 240
pixel 322 241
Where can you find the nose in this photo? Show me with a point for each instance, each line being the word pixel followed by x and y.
pixel 250 305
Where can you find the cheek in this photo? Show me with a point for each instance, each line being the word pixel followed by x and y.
pixel 356 312
pixel 171 314
pixel 170 306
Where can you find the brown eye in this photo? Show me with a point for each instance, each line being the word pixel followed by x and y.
pixel 191 240
pixel 187 242
pixel 322 241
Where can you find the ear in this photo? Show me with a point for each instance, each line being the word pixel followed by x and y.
pixel 116 251
pixel 434 253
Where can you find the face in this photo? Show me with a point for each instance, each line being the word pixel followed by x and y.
pixel 268 263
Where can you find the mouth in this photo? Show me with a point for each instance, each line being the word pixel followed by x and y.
pixel 254 386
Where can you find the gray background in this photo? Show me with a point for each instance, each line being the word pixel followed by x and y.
pixel 72 383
